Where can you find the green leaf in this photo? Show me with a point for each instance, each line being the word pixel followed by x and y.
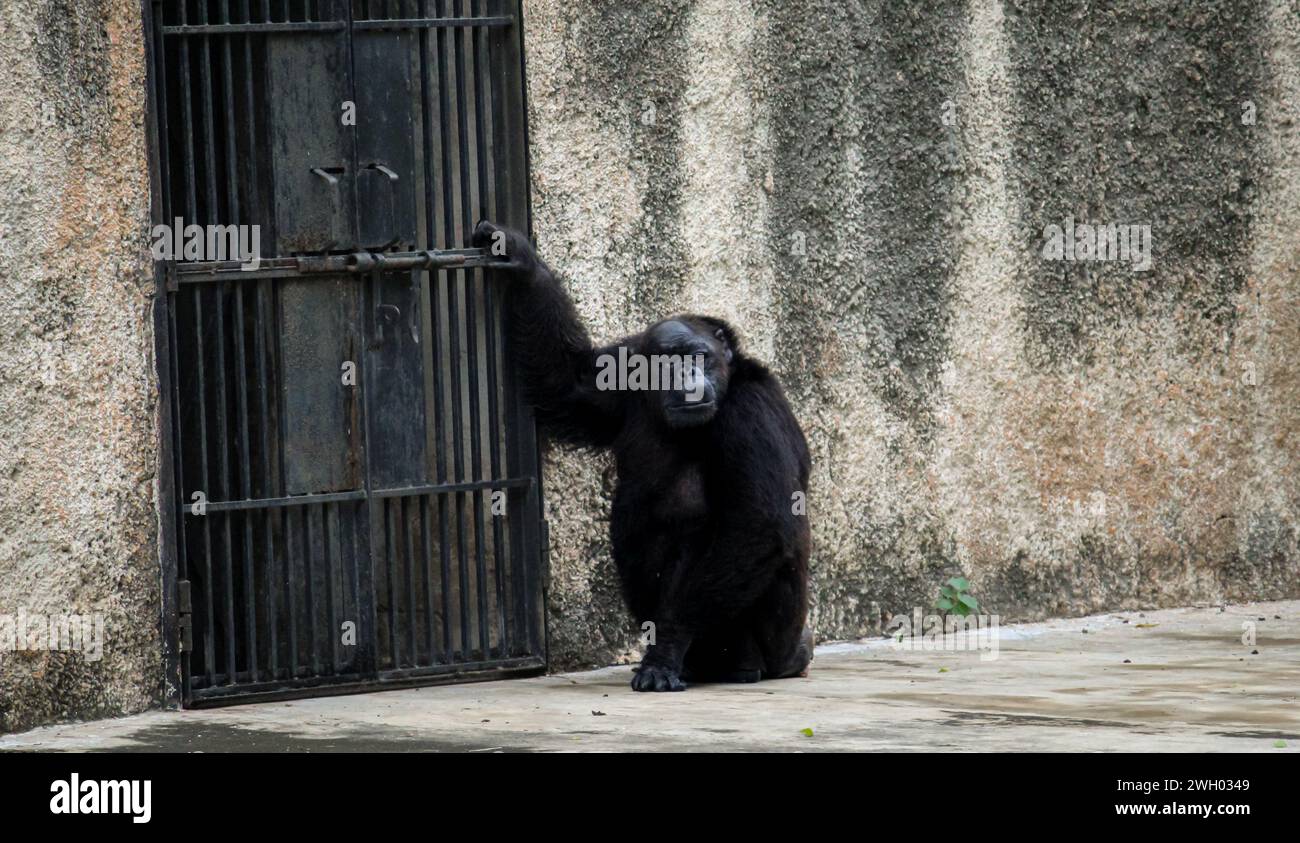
pixel 959 583
pixel 807 733
pixel 1280 744
pixel 969 601
pixel 943 604
pixel 961 610
pixel 949 592
pixel 943 670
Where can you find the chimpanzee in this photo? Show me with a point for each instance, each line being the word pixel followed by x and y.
pixel 708 527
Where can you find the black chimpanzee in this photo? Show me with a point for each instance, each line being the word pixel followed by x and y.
pixel 708 528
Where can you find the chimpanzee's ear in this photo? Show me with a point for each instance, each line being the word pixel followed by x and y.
pixel 725 334
pixel 726 344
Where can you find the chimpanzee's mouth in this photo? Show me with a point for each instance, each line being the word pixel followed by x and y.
pixel 695 412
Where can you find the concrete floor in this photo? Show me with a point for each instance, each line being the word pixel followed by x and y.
pixel 1161 681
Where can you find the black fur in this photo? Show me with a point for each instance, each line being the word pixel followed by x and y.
pixel 704 532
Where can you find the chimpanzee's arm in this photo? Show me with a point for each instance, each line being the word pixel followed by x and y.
pixel 551 347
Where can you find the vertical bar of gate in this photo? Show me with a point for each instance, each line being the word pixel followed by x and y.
pixel 224 473
pixel 435 344
pixel 329 516
pixel 259 351
pixel 292 592
pixel 358 605
pixel 450 189
pixel 367 601
pixel 502 209
pixel 178 444
pixel 409 559
pixel 309 576
pixel 488 206
pixel 241 374
pixel 426 557
pixel 390 548
pixel 213 217
pixel 461 35
pixel 250 599
pixel 191 195
pixel 511 167
pixel 178 657
pixel 204 477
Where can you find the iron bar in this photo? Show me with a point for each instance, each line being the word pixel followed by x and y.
pixel 450 191
pixel 197 272
pixel 390 550
pixel 291 588
pixel 309 576
pixel 409 562
pixel 468 148
pixel 221 29
pixel 435 361
pixel 487 199
pixel 330 514
pixel 436 23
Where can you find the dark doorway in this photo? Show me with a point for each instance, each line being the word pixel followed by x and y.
pixel 354 495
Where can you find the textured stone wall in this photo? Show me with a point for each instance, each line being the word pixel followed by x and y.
pixel 1073 437
pixel 78 403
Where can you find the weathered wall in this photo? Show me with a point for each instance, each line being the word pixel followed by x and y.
pixel 78 519
pixel 1071 436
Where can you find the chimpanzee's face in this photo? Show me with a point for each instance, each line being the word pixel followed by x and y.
pixel 700 363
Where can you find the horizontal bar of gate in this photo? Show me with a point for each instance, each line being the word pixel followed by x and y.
pixel 201 272
pixel 280 27
pixel 274 503
pixel 255 28
pixel 477 486
pixel 244 693
pixel 337 497
pixel 435 23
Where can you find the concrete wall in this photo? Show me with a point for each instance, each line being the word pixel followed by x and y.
pixel 78 519
pixel 1071 436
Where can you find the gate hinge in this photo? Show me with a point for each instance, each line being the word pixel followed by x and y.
pixel 184 607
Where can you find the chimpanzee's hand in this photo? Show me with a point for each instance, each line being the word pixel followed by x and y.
pixel 502 242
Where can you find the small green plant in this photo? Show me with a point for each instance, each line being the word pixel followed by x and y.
pixel 953 597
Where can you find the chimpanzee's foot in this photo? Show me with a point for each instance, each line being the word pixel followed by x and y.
pixel 653 678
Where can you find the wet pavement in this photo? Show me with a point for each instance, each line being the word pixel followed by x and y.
pixel 1172 680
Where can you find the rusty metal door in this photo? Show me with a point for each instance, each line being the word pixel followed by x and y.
pixel 354 495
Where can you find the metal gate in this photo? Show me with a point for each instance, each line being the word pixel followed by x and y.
pixel 354 496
